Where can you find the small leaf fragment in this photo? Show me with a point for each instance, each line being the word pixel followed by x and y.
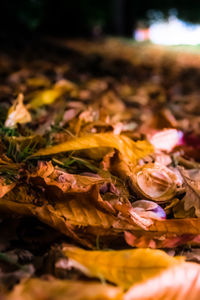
pixel 18 113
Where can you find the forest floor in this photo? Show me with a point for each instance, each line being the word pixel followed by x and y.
pixel 99 170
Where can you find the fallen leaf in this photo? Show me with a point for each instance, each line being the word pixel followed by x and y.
pixel 49 176
pixel 155 181
pixel 18 113
pixel 178 282
pixel 67 216
pixel 149 209
pixel 122 267
pixel 156 240
pixel 48 96
pixel 192 185
pixel 64 289
pixel 5 186
pixel 132 151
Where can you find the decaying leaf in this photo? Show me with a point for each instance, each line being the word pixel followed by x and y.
pixel 155 181
pixel 48 175
pixel 122 267
pixel 179 226
pixel 132 151
pixel 18 113
pixel 192 185
pixel 64 289
pixel 149 209
pixel 156 240
pixel 5 186
pixel 178 282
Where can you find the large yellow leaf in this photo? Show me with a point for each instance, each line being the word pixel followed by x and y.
pixel 122 267
pixel 180 282
pixel 131 151
pixel 56 289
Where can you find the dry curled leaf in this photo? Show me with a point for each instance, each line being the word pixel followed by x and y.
pixel 49 176
pixel 155 181
pixel 67 216
pixel 18 113
pixel 192 185
pixel 122 267
pixel 5 186
pixel 156 240
pixel 132 151
pixel 149 209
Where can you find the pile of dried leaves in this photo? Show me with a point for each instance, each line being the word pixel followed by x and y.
pixel 99 170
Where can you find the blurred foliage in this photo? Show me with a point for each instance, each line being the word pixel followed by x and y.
pixel 83 17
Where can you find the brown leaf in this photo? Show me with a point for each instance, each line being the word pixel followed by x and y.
pixel 49 176
pixel 156 240
pixel 5 187
pixel 65 216
pixel 192 185
pixel 154 181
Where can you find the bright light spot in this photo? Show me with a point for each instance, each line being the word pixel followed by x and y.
pixel 174 32
pixel 171 32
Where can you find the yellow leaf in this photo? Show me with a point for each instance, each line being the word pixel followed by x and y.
pixel 18 113
pixel 56 289
pixel 122 267
pixel 48 96
pixel 131 151
pixel 179 282
pixel 38 82
pixel 45 98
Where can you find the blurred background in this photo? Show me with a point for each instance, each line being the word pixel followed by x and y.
pixel 162 22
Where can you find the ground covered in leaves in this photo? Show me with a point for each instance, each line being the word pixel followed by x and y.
pixel 99 171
